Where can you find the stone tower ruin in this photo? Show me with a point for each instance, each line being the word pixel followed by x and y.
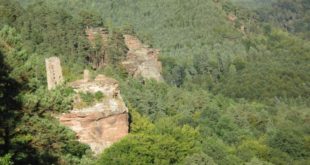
pixel 53 72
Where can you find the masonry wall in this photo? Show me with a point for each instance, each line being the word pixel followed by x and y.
pixel 53 72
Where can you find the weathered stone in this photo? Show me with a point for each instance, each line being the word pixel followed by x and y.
pixel 97 130
pixel 108 86
pixel 53 72
pixel 231 17
pixel 86 75
pixel 142 61
pixel 101 32
pixel 133 43
pixel 102 124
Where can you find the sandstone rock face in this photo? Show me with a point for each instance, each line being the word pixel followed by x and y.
pixel 97 129
pixel 142 61
pixel 93 32
pixel 104 123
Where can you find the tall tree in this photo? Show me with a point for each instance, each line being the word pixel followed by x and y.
pixel 8 107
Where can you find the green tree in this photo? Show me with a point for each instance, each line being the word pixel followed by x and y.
pixel 9 108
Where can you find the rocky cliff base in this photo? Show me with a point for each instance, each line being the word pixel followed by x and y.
pixel 103 123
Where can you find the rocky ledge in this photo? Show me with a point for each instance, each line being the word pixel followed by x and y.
pixel 142 61
pixel 102 124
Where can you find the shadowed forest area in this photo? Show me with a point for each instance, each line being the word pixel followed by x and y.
pixel 236 84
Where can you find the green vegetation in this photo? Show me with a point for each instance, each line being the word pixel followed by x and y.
pixel 231 95
pixel 91 98
pixel 292 16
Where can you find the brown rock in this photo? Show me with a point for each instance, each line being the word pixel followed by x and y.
pixel 142 61
pixel 132 42
pixel 91 34
pixel 104 123
pixel 98 132
pixel 231 17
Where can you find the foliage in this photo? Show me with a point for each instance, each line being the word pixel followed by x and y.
pixel 235 91
pixel 199 159
pixel 42 100
pixel 140 124
pixel 9 110
pixel 107 52
pixel 153 148
pixel 282 75
pixel 6 160
pixel 90 98
pixel 40 132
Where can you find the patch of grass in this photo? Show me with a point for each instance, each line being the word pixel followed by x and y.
pixel 91 98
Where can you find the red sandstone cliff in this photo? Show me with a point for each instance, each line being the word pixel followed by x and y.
pixel 102 124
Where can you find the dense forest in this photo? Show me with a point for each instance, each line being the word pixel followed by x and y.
pixel 236 89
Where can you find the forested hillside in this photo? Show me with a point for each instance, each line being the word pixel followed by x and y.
pixel 236 84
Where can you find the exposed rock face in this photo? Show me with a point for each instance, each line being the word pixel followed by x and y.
pixel 53 72
pixel 142 61
pixel 97 129
pixel 93 32
pixel 104 123
pixel 231 17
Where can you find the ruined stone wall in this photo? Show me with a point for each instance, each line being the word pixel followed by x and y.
pixel 53 72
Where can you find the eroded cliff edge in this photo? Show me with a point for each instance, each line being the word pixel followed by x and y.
pixel 103 123
pixel 142 61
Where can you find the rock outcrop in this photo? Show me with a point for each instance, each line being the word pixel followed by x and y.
pixel 101 32
pixel 231 17
pixel 102 124
pixel 142 61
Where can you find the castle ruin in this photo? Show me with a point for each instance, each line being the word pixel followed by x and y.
pixel 53 72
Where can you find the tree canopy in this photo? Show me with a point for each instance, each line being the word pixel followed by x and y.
pixel 236 89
